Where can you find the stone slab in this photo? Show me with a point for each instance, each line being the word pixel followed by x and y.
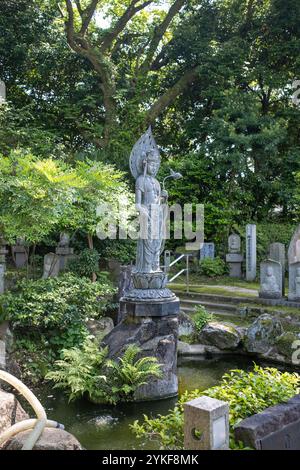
pixel 253 430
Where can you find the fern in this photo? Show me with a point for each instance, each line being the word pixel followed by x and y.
pixel 87 371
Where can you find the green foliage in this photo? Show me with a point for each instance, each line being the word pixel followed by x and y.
pixel 121 250
pixel 247 393
pixel 56 302
pixel 212 267
pixel 201 317
pixel 86 370
pixel 86 263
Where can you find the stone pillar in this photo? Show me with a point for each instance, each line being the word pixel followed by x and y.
pixel 206 424
pixel 270 280
pixel 294 282
pixel 277 253
pixel 124 285
pixel 2 92
pixel 234 258
pixel 250 252
pixel 3 253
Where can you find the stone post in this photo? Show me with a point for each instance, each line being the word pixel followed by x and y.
pixel 277 253
pixel 207 251
pixel 3 253
pixel 2 92
pixel 206 424
pixel 250 252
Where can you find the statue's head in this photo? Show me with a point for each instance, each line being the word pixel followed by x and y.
pixel 151 162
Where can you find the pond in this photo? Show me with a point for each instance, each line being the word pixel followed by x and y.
pixel 105 427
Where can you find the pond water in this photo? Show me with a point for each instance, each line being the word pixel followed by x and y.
pixel 106 427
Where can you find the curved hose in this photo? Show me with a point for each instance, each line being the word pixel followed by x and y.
pixel 38 424
pixel 24 426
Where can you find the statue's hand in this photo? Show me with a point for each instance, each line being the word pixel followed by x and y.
pixel 143 211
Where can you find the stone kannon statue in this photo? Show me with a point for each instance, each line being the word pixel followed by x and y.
pixel 271 279
pixel 149 281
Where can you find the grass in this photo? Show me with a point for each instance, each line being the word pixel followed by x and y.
pixel 218 281
pixel 210 290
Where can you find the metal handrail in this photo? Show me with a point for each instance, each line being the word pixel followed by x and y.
pixel 168 265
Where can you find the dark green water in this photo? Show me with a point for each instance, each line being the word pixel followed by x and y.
pixel 106 427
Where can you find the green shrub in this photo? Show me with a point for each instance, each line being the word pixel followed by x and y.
pixel 56 302
pixel 86 263
pixel 49 315
pixel 212 267
pixel 86 370
pixel 247 393
pixel 201 317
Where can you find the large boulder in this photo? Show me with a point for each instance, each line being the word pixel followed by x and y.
pixel 186 326
pixel 51 439
pixel 156 337
pixel 220 335
pixel 100 328
pixel 11 411
pixel 262 334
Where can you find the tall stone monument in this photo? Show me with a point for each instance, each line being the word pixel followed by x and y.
pixel 270 280
pixel 250 252
pixel 3 253
pixel 234 258
pixel 294 282
pixel 277 253
pixel 151 308
pixel 51 265
pixel 2 92
pixel 294 266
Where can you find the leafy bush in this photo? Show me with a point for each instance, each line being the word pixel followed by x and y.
pixel 212 267
pixel 87 371
pixel 201 317
pixel 86 263
pixel 247 393
pixel 56 302
pixel 122 250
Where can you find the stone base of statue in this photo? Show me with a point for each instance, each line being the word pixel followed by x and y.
pixel 149 321
pixel 269 295
pixel 156 337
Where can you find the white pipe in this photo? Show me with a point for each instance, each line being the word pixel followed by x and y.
pixel 34 402
pixel 24 426
pixel 30 397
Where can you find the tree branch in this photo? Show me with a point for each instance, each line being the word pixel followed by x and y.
pixel 131 11
pixel 170 95
pixel 159 33
pixel 87 15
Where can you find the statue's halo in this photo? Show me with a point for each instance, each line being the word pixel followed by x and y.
pixel 144 145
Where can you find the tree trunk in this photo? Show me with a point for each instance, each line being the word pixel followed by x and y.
pixel 91 247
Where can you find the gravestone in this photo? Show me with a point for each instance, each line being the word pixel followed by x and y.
pixel 270 280
pixel 277 253
pixel 294 282
pixel 51 265
pixel 250 252
pixel 294 247
pixel 19 253
pixel 207 251
pixel 2 92
pixel 275 428
pixel 234 258
pixel 206 424
pixel 64 251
